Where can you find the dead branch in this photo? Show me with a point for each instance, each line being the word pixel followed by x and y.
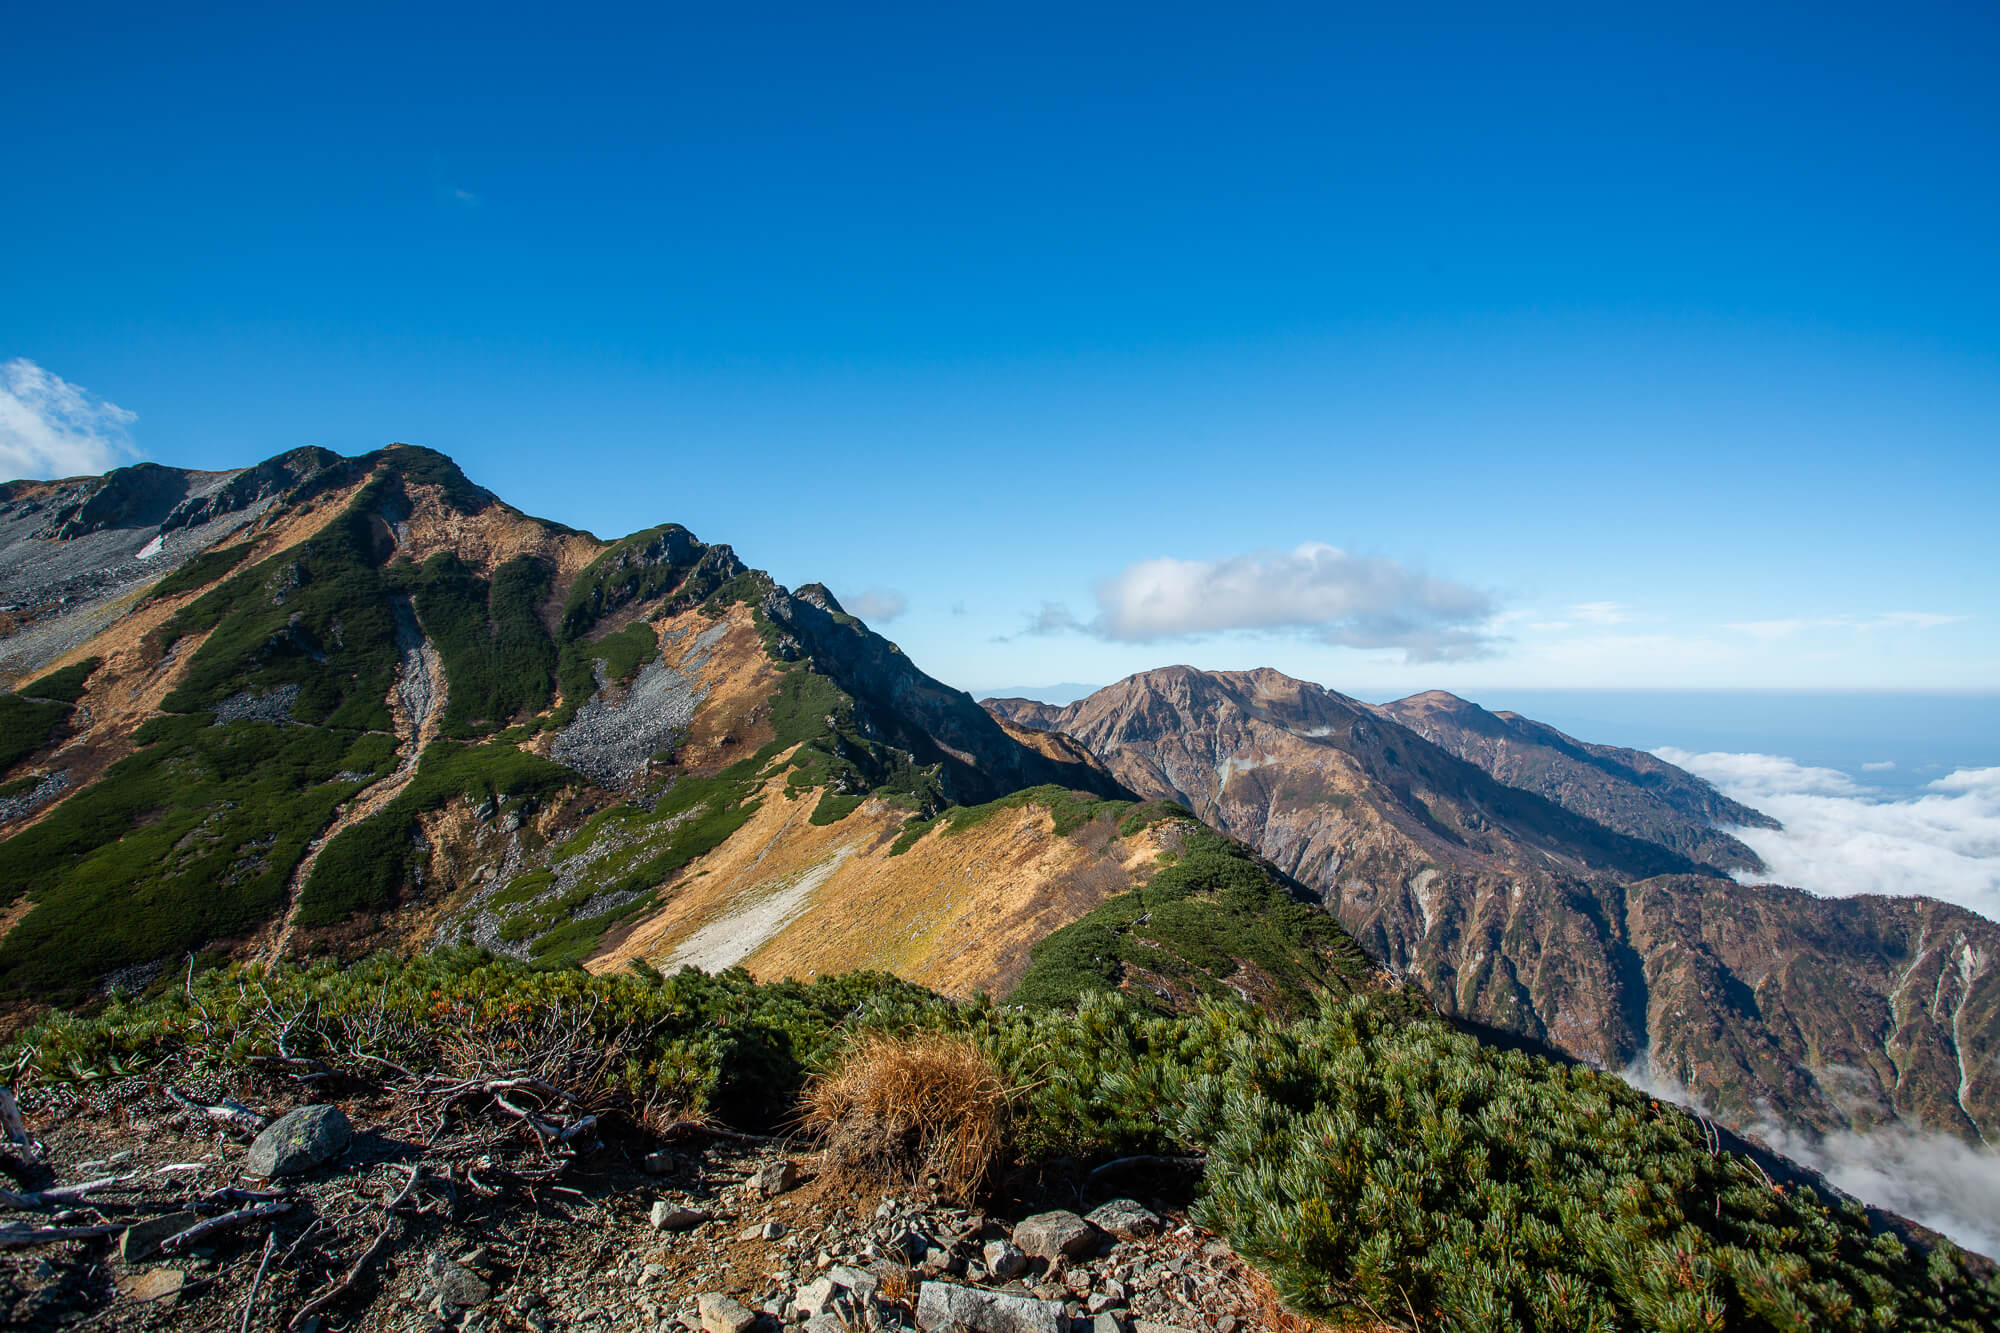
pixel 47 1200
pixel 257 1282
pixel 230 1114
pixel 229 1221
pixel 346 1284
pixel 14 1238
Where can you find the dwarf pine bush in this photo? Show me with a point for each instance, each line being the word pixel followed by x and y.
pixel 1380 1165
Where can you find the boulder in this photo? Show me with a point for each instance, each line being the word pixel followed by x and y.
pixel 1057 1235
pixel 723 1314
pixel 1126 1219
pixel 298 1141
pixel 946 1305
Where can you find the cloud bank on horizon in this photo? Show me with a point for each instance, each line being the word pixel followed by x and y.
pixel 50 427
pixel 1841 838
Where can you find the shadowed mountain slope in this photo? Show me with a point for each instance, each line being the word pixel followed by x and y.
pixel 1628 790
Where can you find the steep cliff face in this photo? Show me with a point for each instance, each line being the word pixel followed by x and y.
pixel 1516 908
pixel 1628 790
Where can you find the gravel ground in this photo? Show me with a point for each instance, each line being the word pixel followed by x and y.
pixel 271 706
pixel 615 735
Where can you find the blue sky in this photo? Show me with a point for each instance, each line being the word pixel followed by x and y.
pixel 1578 346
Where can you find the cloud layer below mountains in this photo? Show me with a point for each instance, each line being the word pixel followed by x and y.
pixel 1321 591
pixel 1935 1179
pixel 52 428
pixel 1841 839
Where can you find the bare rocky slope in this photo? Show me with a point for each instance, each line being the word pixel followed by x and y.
pixel 1495 885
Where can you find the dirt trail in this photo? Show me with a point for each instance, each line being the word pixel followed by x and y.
pixel 416 704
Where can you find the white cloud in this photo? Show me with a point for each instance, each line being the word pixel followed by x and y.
pixel 1341 599
pixel 1785 629
pixel 879 605
pixel 52 428
pixel 1840 838
pixel 1600 613
pixel 1878 766
pixel 1935 1179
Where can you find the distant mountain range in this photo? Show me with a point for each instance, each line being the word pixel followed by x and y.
pixel 330 705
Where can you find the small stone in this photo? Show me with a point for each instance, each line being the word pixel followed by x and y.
pixel 1055 1235
pixel 141 1241
pixel 1148 1326
pixel 1100 1301
pixel 673 1217
pixel 775 1178
pixel 299 1141
pixel 1227 1324
pixel 944 1305
pixel 1107 1323
pixel 153 1285
pixel 1004 1260
pixel 658 1164
pixel 723 1314
pixel 825 1323
pixel 1126 1219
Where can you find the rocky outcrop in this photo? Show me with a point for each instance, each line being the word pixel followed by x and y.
pixel 908 709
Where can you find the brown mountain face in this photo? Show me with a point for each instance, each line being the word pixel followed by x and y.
pixel 1628 790
pixel 1517 910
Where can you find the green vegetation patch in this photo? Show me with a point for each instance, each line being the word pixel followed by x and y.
pixel 1199 921
pixel 66 685
pixel 317 615
pixel 200 571
pixel 191 838
pixel 497 655
pixel 1367 1156
pixel 30 718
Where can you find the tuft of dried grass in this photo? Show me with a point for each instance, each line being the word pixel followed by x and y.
pixel 898 1109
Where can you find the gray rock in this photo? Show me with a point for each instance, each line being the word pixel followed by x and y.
pixel 943 1305
pixel 1004 1259
pixel 673 1217
pixel 658 1164
pixel 1056 1235
pixel 775 1178
pixel 299 1141
pixel 857 1280
pixel 141 1241
pixel 458 1285
pixel 825 1323
pixel 1126 1219
pixel 1148 1326
pixel 1107 1323
pixel 815 1297
pixel 723 1314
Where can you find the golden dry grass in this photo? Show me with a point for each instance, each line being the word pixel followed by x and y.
pixel 900 1109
